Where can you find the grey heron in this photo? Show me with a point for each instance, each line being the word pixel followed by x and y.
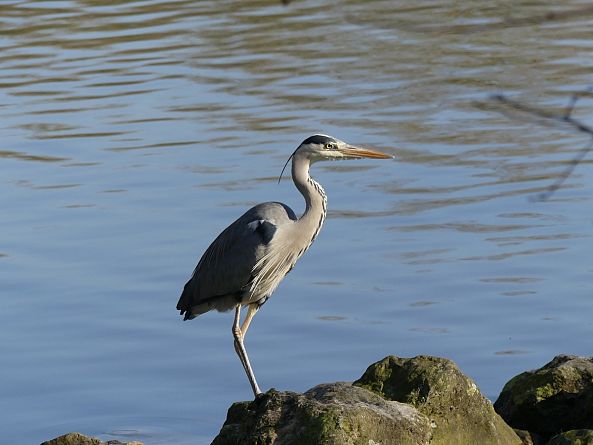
pixel 246 262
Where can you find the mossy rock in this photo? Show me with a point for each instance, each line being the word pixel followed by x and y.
pixel 417 401
pixel 81 439
pixel 331 414
pixel 555 398
pixel 73 439
pixel 573 437
pixel 528 438
pixel 436 387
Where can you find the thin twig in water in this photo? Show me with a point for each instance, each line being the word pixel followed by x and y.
pixel 565 118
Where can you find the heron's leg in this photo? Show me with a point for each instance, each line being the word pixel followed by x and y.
pixel 238 334
pixel 251 311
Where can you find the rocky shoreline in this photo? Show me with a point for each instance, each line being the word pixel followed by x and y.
pixel 416 401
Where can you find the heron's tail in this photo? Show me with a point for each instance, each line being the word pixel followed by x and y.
pixel 191 304
pixel 185 302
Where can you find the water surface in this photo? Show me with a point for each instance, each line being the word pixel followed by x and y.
pixel 133 133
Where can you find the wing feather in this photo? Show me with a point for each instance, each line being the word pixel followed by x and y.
pixel 224 274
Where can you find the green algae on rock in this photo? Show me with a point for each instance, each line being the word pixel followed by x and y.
pixel 436 387
pixel 573 437
pixel 330 414
pixel 555 398
pixel 417 401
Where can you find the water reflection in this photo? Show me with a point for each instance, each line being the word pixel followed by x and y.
pixel 511 352
pixel 29 157
pixel 423 303
pixel 331 318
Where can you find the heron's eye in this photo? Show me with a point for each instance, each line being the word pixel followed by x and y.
pixel 330 146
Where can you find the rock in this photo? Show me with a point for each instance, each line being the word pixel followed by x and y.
pixel 555 398
pixel 331 414
pixel 527 438
pixel 81 439
pixel 418 401
pixel 436 387
pixel 573 437
pixel 73 439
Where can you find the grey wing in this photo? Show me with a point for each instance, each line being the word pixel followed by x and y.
pixel 225 270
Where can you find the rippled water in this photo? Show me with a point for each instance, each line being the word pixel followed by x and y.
pixel 133 133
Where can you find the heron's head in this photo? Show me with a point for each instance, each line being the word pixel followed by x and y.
pixel 320 147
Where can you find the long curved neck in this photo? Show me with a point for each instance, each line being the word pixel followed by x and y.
pixel 312 219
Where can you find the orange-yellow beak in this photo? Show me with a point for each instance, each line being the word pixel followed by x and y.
pixel 359 152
